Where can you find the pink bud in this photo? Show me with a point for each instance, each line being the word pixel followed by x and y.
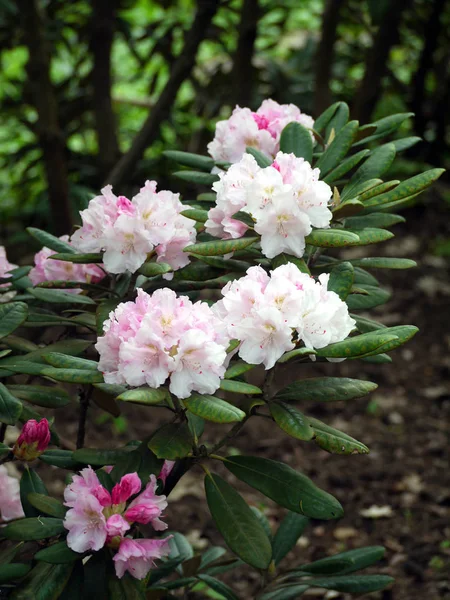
pixel 102 495
pixel 125 206
pixel 33 440
pixel 166 470
pixel 142 513
pixel 128 486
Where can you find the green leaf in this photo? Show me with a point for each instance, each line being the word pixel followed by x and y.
pixel 360 345
pixel 79 259
pixel 10 407
pixel 45 504
pixel 73 375
pixel 383 262
pixel 196 214
pixel 128 463
pixel 127 588
pixel 295 354
pixel 286 487
pixel 171 441
pixel 261 159
pixel 348 208
pixel 98 457
pixel 31 482
pixel 375 297
pixel 378 189
pixel 338 119
pixel 57 554
pixel 335 441
pixel 378 162
pixel 284 259
pixel 239 527
pixel 188 159
pixel 50 241
pixel 63 361
pixel 36 528
pixel 331 238
pixel 365 325
pixel 285 592
pixel 385 126
pixel 403 334
pixel 48 397
pixel 405 143
pixel 197 177
pixel 371 235
pixel 292 421
pixel 326 389
pixel 152 269
pixel 338 148
pixel 297 140
pixel 218 586
pixel 60 458
pixel 237 368
pixel 4 451
pixel 290 529
pixel 12 315
pixel 354 584
pixel 103 311
pixel 239 387
pixel 59 297
pixel 19 344
pixel 145 395
pixel 322 121
pixel 359 558
pixel 341 279
pixel 220 247
pixel 409 187
pixel 12 571
pixel 44 582
pixel 345 166
pixel 213 409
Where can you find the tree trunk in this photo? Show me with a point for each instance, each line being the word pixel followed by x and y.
pixel 376 64
pixel 50 136
pixel 102 34
pixel 324 56
pixel 181 69
pixel 243 72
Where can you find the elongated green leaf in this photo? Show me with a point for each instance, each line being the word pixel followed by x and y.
pixel 409 187
pixel 213 409
pixel 171 441
pixel 331 238
pixel 22 366
pixel 19 344
pixel 354 584
pixel 239 527
pixel 44 582
pixel 59 297
pixel 385 126
pixel 10 407
pixel 285 592
pixel 405 143
pixel 73 375
pixel 196 177
pixel 292 421
pixel 60 458
pixel 196 214
pixel 345 166
pixel 57 554
pixel 237 368
pixel 151 269
pixel 36 528
pixel 375 297
pixel 12 315
pixel 364 278
pixel 31 482
pixel 359 345
pixel 326 389
pixel 290 529
pixel 63 361
pixel 403 334
pixel 335 441
pixel 217 262
pixel 99 457
pixel 338 148
pixel 337 121
pixel 221 247
pixel 365 325
pixel 297 353
pixel 127 588
pixel 286 487
pixel 44 504
pixel 378 189
pixel 341 279
pixel 284 259
pixel 348 208
pixel 297 140
pixel 218 586
pixel 12 571
pixel 322 121
pixel 384 262
pixel 188 159
pixel 371 235
pixel 78 259
pixel 262 160
pixel 50 241
pixel 378 162
pixel 239 387
pixel 145 396
pixel 359 558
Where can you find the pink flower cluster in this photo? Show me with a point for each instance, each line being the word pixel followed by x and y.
pixel 160 336
pixel 10 505
pixel 97 518
pixel 33 440
pixel 47 269
pixel 285 201
pixel 270 315
pixel 5 266
pixel 261 130
pixel 129 231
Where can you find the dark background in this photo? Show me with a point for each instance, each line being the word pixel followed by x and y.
pixel 92 92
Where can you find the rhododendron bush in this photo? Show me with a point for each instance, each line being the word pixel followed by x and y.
pixel 203 311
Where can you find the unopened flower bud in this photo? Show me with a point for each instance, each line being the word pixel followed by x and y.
pixel 33 440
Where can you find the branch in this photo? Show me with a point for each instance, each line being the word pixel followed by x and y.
pixel 180 71
pixel 50 136
pixel 243 72
pixel 84 406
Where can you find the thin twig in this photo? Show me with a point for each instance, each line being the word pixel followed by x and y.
pixel 230 435
pixel 84 406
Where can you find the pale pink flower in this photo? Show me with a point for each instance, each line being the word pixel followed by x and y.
pixel 126 245
pixel 86 524
pixel 33 440
pixel 116 525
pixel 128 486
pixel 84 483
pixel 276 116
pixel 166 469
pixel 5 266
pixel 148 505
pixel 138 556
pixel 10 504
pixel 144 359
